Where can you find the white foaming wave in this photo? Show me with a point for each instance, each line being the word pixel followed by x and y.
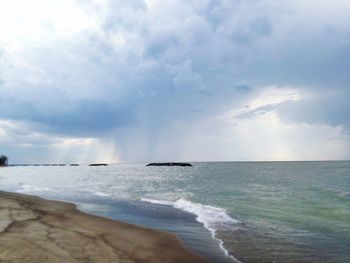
pixel 33 188
pixel 157 202
pixel 102 194
pixel 212 218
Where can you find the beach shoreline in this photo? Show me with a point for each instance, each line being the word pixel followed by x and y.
pixel 33 229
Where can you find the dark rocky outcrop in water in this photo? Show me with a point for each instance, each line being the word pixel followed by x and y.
pixel 169 164
pixel 3 160
pixel 98 164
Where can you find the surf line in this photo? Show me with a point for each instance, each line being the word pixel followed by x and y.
pixel 207 215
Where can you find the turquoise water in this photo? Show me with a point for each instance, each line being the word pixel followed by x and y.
pixel 291 211
pixel 252 211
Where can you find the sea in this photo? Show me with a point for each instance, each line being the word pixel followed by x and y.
pixel 225 211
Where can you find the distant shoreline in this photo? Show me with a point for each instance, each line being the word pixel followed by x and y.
pixel 38 230
pixel 191 162
pixel 169 164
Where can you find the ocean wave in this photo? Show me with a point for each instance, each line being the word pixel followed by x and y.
pixel 102 194
pixel 33 188
pixel 213 218
pixel 344 195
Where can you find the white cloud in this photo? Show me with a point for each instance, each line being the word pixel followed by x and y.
pixel 35 147
pixel 25 24
pixel 264 98
pixel 263 137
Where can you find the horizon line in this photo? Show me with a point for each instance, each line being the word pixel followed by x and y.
pixel 241 161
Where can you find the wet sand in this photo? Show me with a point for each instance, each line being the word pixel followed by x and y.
pixel 34 230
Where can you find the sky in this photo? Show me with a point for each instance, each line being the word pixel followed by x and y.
pixel 186 80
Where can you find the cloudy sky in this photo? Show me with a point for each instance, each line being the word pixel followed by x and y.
pixel 156 80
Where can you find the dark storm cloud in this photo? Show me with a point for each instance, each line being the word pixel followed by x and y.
pixel 146 64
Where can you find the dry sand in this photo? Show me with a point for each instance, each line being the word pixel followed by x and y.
pixel 36 230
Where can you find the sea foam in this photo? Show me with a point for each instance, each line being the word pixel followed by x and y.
pixel 213 218
pixel 33 188
pixel 102 194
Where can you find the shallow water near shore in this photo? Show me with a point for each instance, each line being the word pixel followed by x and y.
pixel 249 211
pixel 169 219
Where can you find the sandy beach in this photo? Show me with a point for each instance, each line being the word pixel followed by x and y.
pixel 33 229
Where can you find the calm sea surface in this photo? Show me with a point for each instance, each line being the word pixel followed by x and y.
pixel 228 212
